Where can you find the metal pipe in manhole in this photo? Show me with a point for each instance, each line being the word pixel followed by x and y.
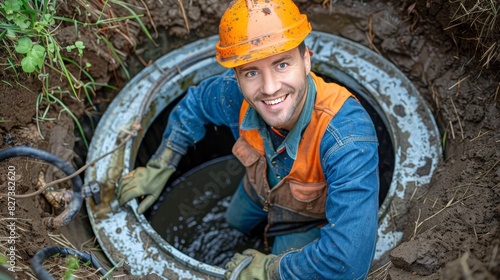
pixel 184 235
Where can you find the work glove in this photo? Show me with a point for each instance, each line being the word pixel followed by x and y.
pixel 261 267
pixel 148 181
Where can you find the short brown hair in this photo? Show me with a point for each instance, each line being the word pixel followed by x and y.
pixel 302 48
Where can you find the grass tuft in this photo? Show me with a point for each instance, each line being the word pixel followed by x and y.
pixel 477 23
pixel 29 31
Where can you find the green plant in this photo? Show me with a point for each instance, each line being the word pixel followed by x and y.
pixel 108 274
pixel 107 21
pixel 28 36
pixel 28 28
pixel 72 264
pixel 27 25
pixel 3 259
pixel 34 55
pixel 50 99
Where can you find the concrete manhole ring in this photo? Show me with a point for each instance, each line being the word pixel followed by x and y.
pixel 125 235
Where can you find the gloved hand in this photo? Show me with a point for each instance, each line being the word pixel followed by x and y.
pixel 262 266
pixel 149 180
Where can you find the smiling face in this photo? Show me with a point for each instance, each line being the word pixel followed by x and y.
pixel 276 86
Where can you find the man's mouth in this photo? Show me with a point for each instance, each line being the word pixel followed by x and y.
pixel 275 101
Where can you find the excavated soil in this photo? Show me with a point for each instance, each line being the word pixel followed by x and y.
pixel 452 227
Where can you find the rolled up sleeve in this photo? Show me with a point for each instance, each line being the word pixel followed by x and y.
pixel 216 100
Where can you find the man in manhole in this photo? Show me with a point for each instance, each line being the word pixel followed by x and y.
pixel 309 148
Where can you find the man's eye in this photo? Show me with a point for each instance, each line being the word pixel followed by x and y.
pixel 282 65
pixel 251 73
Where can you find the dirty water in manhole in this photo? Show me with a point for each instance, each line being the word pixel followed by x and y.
pixel 184 234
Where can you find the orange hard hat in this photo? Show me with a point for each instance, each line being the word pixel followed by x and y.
pixel 254 29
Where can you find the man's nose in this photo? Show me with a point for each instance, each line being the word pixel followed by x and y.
pixel 270 84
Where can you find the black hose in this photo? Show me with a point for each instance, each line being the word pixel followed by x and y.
pixel 41 255
pixel 76 203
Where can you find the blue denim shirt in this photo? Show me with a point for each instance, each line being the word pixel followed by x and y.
pixel 349 156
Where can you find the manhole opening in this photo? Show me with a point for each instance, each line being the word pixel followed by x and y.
pixel 190 214
pixel 413 133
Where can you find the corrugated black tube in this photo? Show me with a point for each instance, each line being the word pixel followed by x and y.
pixel 76 203
pixel 41 255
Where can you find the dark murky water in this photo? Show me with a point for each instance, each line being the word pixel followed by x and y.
pixel 191 213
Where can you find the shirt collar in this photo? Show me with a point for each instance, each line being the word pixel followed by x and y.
pixel 252 120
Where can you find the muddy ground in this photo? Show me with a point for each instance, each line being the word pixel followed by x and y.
pixel 452 228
